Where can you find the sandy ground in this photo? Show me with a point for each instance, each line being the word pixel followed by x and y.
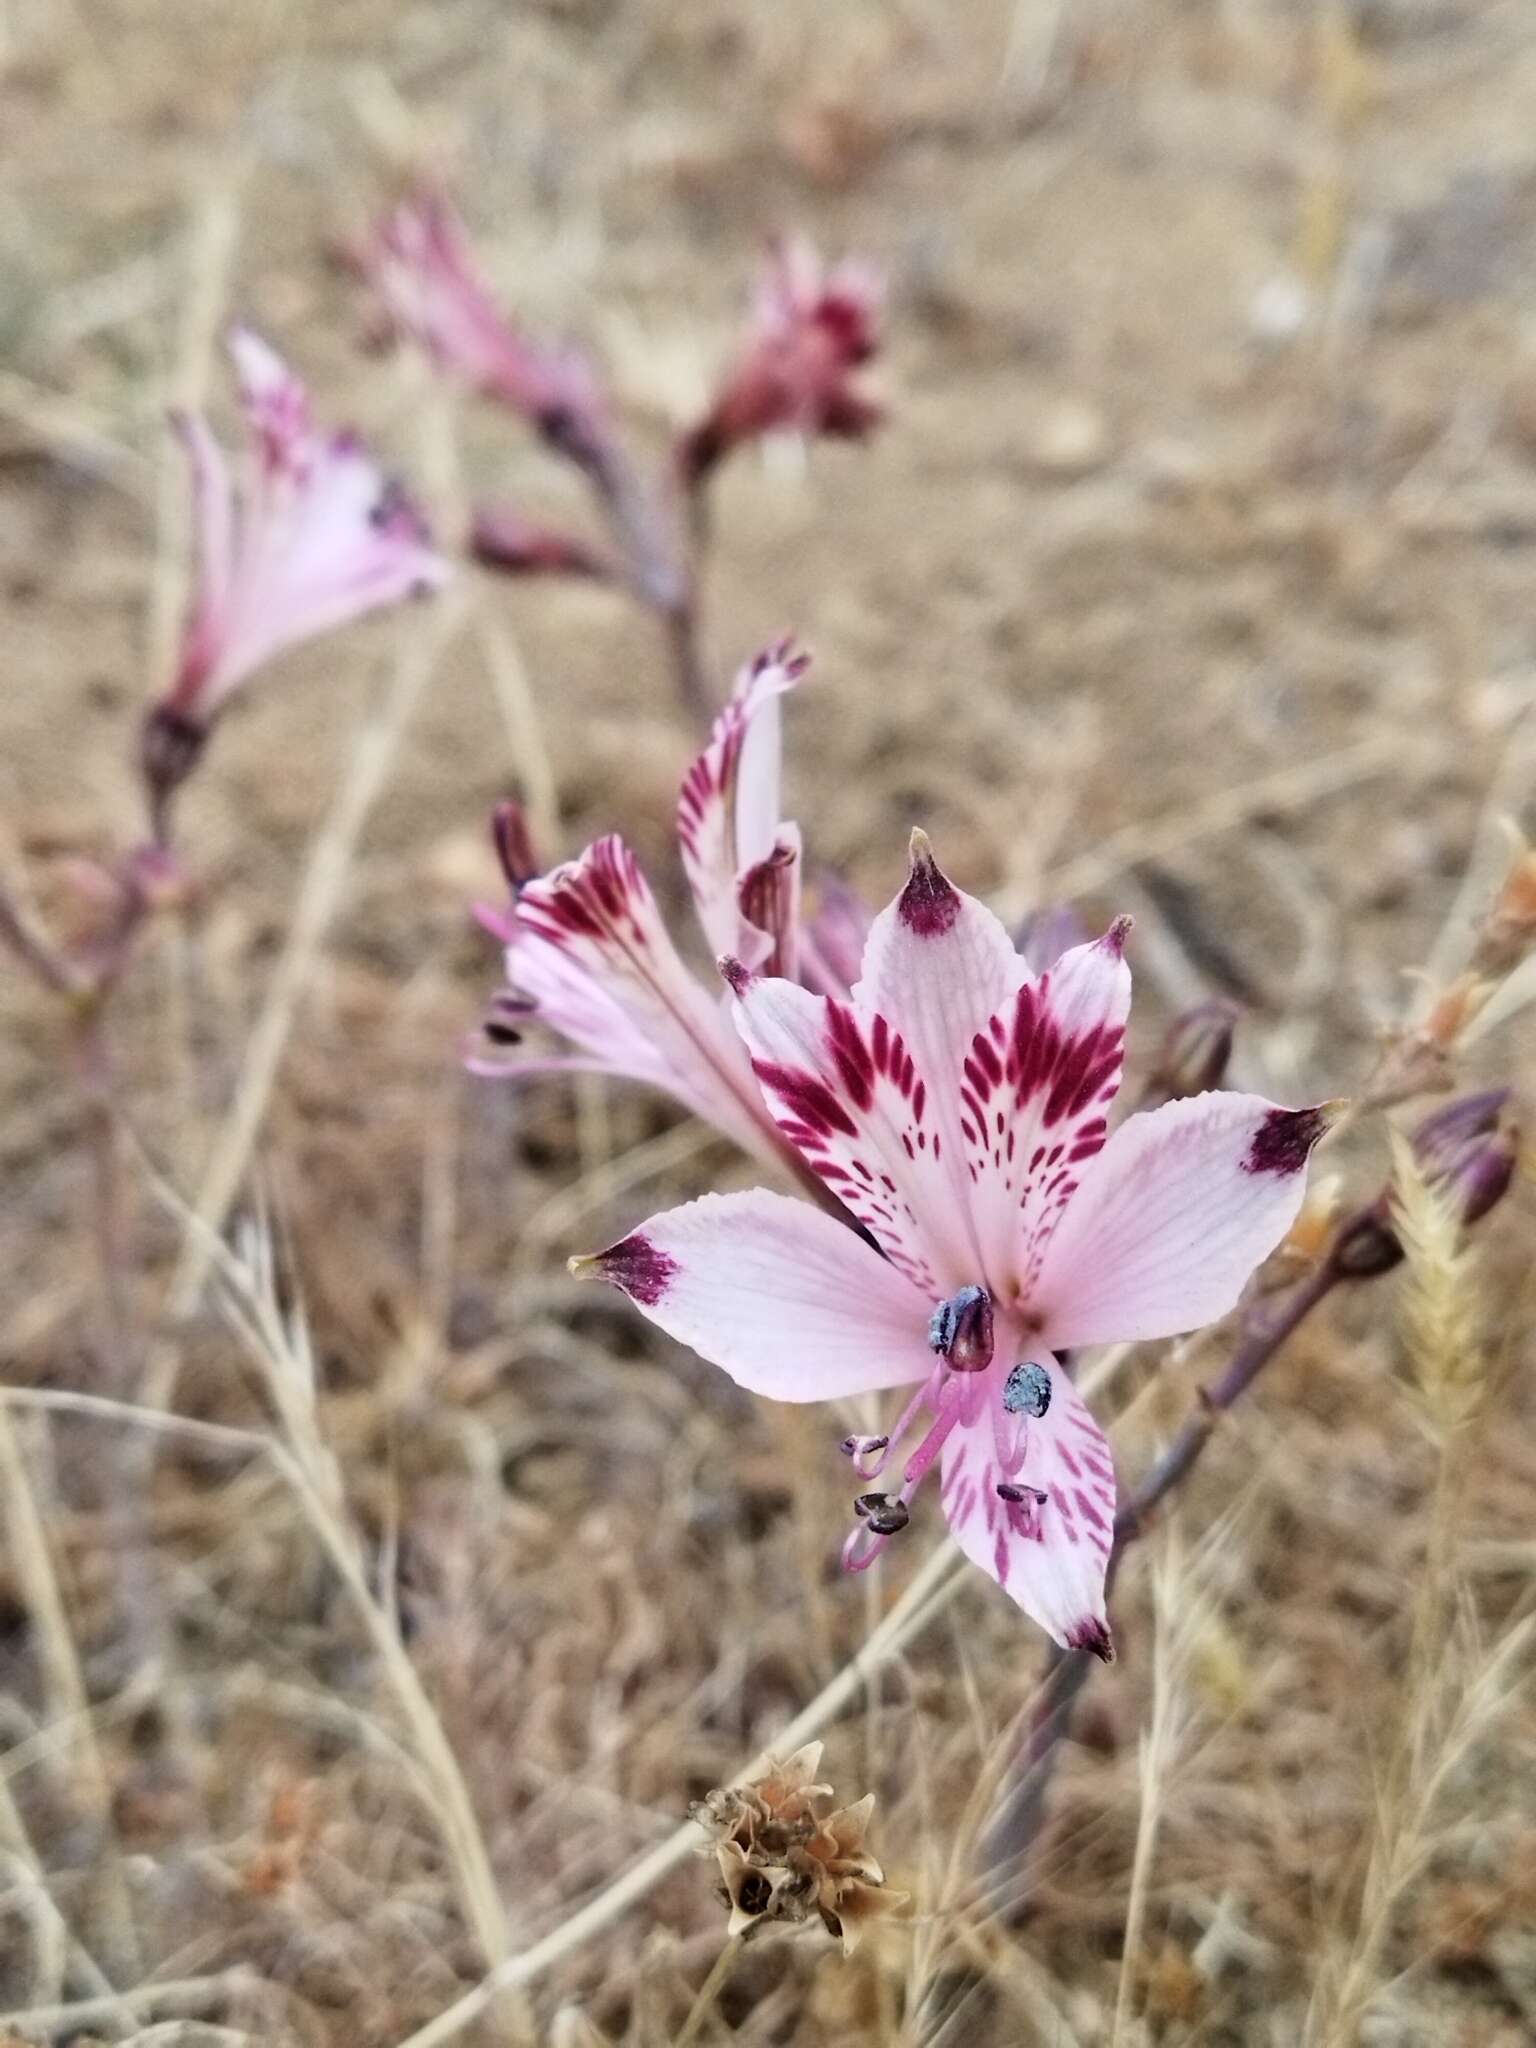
pixel 1191 576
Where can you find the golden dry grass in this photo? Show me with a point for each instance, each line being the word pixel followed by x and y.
pixel 463 1584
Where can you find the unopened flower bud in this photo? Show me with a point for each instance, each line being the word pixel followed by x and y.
pixel 514 845
pixel 506 541
pixel 1195 1051
pixel 960 1330
pixel 1464 1154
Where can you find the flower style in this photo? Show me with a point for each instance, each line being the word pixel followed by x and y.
pixel 316 537
pixel 810 330
pixel 420 265
pixel 956 1105
pixel 589 955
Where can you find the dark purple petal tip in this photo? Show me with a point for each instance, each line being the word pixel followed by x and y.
pixel 929 904
pixel 1092 1635
pixel 1114 939
pixel 640 1268
pixel 738 977
pixel 1283 1141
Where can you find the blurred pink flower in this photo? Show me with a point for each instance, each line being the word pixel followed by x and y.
pixel 810 330
pixel 315 536
pixel 420 264
pixel 589 956
pixel 956 1105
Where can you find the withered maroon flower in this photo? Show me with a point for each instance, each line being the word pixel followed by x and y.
pixel 811 329
pixel 956 1106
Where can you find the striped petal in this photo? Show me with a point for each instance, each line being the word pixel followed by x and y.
pixel 1031 1499
pixel 591 949
pixel 1037 1081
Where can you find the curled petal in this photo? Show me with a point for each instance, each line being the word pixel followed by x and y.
pixel 728 818
pixel 1172 1217
pixel 788 1302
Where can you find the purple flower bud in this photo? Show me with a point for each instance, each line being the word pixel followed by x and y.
pixel 514 845
pixel 1461 1150
pixel 1195 1051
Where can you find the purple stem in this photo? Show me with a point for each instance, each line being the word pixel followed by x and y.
pixel 659 572
pixel 1016 1826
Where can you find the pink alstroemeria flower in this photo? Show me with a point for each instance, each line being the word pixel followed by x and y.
pixel 955 1104
pixel 317 536
pixel 589 955
pixel 420 264
pixel 810 330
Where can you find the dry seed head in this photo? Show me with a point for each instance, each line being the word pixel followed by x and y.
pixel 784 1853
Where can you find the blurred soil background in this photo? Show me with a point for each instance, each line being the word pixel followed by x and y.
pixel 1192 575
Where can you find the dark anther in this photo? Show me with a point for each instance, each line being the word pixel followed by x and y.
pixel 884 1513
pixel 1017 1495
pixel 863 1446
pixel 960 1330
pixel 1027 1391
pixel 502 1034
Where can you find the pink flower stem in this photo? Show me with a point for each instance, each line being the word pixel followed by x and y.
pixel 1014 1833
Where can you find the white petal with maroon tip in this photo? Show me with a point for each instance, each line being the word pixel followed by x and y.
pixel 1050 1555
pixel 728 808
pixel 937 966
pixel 845 1091
pixel 1172 1218
pixel 624 985
pixel 1037 1083
pixel 788 1302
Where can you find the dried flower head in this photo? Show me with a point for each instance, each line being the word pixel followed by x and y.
pixel 785 1853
